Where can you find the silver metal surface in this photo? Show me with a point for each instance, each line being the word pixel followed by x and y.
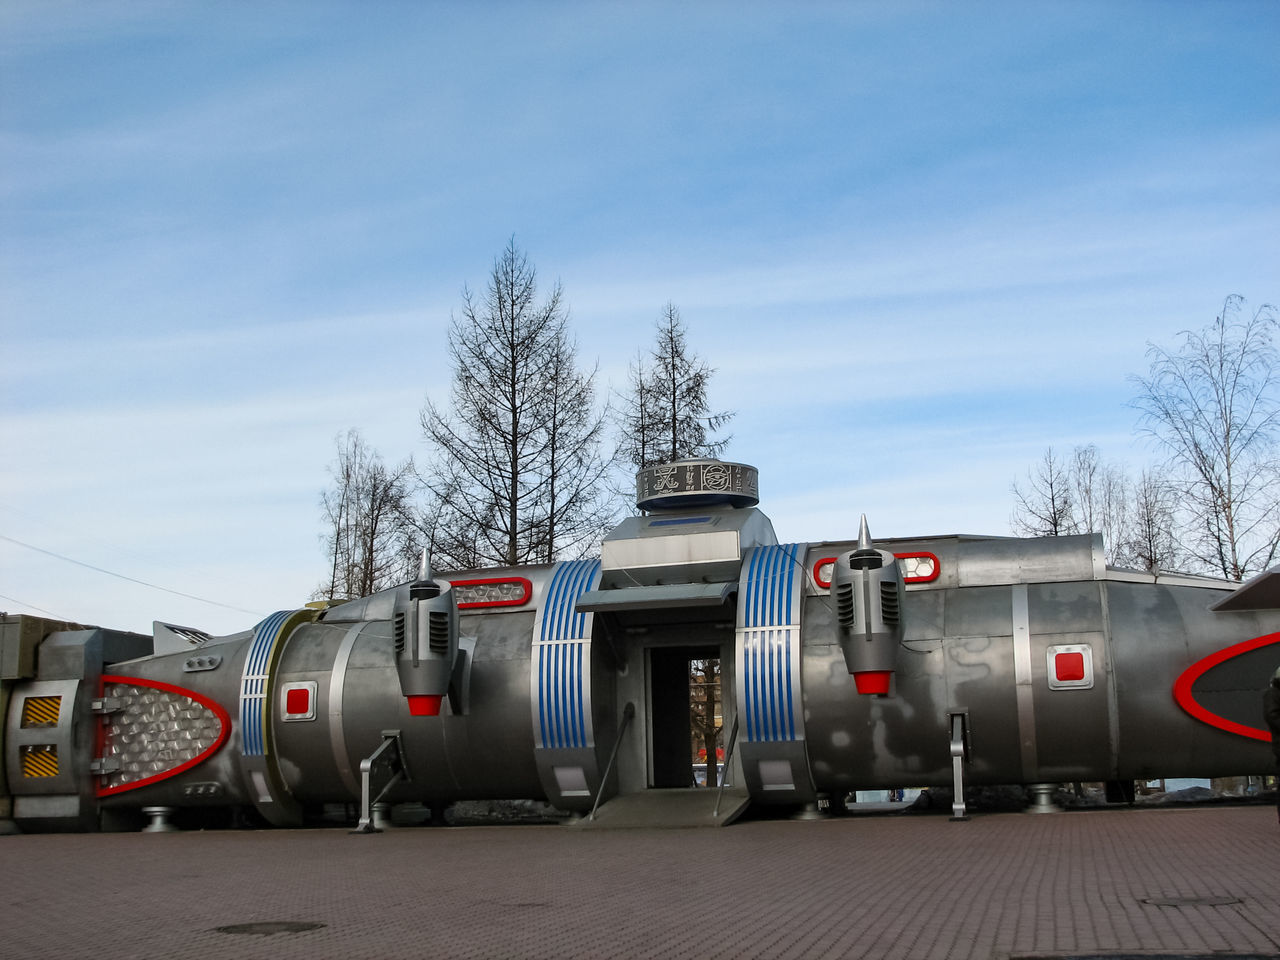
pixel 1022 678
pixel 337 731
pixel 688 484
pixel 1259 593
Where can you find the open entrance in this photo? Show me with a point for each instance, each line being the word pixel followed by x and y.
pixel 686 735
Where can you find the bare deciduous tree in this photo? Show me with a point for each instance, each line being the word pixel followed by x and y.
pixel 575 511
pixel 516 465
pixel 1100 498
pixel 1212 405
pixel 369 530
pixel 1149 541
pixel 1043 507
pixel 637 416
pixel 1086 494
pixel 667 415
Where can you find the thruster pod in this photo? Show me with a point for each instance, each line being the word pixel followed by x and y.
pixel 868 590
pixel 425 630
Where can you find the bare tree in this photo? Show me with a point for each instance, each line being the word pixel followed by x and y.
pixel 575 510
pixel 1086 494
pixel 1212 405
pixel 667 415
pixel 637 414
pixel 1150 542
pixel 516 462
pixel 367 512
pixel 1043 507
pixel 1101 497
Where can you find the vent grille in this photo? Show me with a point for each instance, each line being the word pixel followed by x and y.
pixel 438 637
pixel 844 604
pixel 889 609
pixel 398 632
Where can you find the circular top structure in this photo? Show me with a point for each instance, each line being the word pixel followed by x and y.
pixel 691 484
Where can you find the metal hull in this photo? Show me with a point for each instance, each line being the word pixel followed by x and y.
pixel 1049 667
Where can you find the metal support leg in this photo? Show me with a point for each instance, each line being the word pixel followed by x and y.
pixel 959 754
pixel 1042 798
pixel 387 759
pixel 159 819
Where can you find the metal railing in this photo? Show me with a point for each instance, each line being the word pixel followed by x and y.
pixel 728 761
pixel 628 712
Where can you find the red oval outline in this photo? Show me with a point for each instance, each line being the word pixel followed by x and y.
pixel 523 582
pixel 223 718
pixel 1182 687
pixel 937 566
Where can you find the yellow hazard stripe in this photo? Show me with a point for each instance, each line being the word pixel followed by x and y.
pixel 39 761
pixel 41 711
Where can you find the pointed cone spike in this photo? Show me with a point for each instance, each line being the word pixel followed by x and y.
pixel 424 566
pixel 864 535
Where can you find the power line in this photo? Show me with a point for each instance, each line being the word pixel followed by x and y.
pixel 31 606
pixel 121 576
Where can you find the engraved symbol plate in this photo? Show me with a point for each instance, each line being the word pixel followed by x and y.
pixel 694 484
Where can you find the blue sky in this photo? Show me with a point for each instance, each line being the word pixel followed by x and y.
pixel 919 242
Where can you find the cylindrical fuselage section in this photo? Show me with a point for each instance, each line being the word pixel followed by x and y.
pixel 485 753
pixel 1057 681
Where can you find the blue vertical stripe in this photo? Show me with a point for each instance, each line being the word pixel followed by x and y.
pixel 769 622
pixel 561 669
pixel 541 654
pixel 789 713
pixel 562 694
pixel 582 723
pixel 253 683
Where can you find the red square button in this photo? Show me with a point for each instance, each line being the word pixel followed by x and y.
pixel 1068 667
pixel 297 701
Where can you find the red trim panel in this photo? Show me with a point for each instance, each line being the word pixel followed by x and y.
pixel 825 582
pixel 922 555
pixel 1187 701
pixel 526 591
pixel 224 721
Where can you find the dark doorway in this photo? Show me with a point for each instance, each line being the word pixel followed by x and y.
pixel 684 715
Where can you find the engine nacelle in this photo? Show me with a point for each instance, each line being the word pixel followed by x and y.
pixel 425 629
pixel 867 587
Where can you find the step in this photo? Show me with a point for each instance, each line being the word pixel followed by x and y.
pixel 693 807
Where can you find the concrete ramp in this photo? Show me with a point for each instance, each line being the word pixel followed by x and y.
pixel 667 808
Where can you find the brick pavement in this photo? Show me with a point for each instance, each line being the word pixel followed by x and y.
pixel 1182 882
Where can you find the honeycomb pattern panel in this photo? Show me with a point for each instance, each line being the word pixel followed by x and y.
pixel 152 733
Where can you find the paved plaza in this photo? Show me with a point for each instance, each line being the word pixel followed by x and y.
pixel 1183 882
